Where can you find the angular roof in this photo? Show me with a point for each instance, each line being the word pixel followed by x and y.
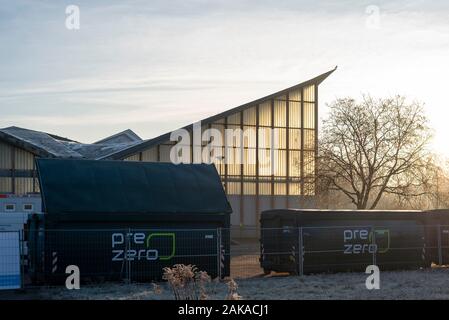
pixel 98 151
pixel 37 142
pixel 48 145
pixel 120 187
pixel 127 136
pixel 157 140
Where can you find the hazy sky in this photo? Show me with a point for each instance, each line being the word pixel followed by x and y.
pixel 154 66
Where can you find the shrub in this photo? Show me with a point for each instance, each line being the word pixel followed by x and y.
pixel 187 282
pixel 232 291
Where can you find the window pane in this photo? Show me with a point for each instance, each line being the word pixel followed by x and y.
pixel 280 165
pixel 294 95
pixel 249 116
pixel 264 138
pixel 283 97
pixel 265 188
pixel 294 117
pixel 233 188
pixel 309 115
pixel 294 189
pixel 219 162
pixel 264 162
pixel 249 188
pixel 233 136
pixel 249 164
pixel 249 137
pixel 265 114
pixel 309 139
pixel 294 139
pixel 309 93
pixel 233 159
pixel 234 119
pixel 280 189
pixel 221 129
pixel 280 113
pixel 295 163
pixel 309 164
pixel 218 126
pixel 280 138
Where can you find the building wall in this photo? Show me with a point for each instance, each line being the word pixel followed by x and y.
pixel 20 204
pixel 17 171
pixel 252 185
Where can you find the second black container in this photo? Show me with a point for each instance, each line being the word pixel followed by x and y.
pixel 309 241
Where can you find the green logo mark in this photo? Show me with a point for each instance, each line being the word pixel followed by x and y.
pixel 164 234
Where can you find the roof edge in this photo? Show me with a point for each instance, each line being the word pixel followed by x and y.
pixel 127 132
pixel 27 146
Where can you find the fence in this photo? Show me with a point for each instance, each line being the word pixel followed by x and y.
pixel 141 254
pixel 11 259
pixel 124 254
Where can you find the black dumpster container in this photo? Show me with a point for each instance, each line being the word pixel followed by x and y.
pixel 437 236
pixel 128 220
pixel 344 240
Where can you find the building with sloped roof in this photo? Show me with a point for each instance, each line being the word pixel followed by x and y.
pixel 19 147
pixel 252 185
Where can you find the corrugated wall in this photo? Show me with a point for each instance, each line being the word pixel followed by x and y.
pixel 17 170
pixel 5 156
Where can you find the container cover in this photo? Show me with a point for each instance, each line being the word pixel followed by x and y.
pixel 89 186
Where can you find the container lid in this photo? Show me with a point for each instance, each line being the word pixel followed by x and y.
pixel 89 186
pixel 332 215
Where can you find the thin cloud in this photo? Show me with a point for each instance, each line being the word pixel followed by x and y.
pixel 171 63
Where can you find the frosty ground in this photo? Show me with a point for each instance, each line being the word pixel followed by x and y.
pixel 420 284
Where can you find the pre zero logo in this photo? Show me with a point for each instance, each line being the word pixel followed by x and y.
pixel 140 246
pixel 357 241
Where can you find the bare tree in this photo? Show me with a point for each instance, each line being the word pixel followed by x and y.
pixel 372 148
pixel 436 185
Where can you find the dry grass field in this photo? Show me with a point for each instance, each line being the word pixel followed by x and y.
pixel 421 284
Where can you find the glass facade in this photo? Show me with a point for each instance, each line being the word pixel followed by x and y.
pixel 279 152
pixel 270 149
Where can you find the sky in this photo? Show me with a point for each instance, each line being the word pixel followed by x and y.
pixel 154 66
